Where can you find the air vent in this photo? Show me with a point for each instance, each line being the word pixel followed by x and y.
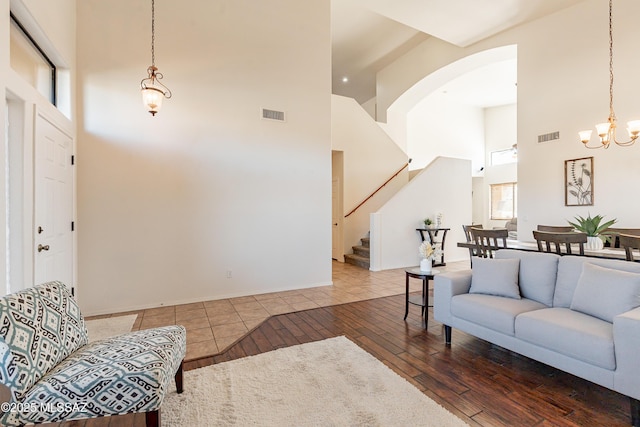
pixel 548 137
pixel 273 115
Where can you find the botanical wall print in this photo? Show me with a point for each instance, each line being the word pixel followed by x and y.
pixel 578 182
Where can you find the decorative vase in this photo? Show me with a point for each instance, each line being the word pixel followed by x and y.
pixel 594 243
pixel 426 265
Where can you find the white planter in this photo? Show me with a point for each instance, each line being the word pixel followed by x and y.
pixel 594 243
pixel 426 265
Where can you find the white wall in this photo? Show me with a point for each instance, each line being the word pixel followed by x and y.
pixel 394 239
pixel 4 70
pixel 370 158
pixel 170 206
pixel 562 86
pixel 501 133
pixel 439 126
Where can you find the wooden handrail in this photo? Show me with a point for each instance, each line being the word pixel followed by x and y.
pixel 378 189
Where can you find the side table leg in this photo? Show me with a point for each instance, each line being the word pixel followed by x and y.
pixel 426 302
pixel 425 282
pixel 406 299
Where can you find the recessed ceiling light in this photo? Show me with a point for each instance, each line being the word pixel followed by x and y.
pixel 345 79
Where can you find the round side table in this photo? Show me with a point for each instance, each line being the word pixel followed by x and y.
pixel 420 300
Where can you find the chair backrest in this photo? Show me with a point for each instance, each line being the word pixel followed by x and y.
pixel 555 228
pixel 629 243
pixel 545 239
pixel 467 231
pixel 614 242
pixel 488 241
pixel 41 326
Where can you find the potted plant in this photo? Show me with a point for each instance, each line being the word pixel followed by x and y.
pixel 592 227
pixel 427 223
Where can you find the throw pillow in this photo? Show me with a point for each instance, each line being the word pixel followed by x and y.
pixel 495 277
pixel 605 292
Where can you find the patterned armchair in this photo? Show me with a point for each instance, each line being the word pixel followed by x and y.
pixel 54 374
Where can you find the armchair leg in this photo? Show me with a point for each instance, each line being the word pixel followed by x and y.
pixel 635 412
pixel 153 418
pixel 447 334
pixel 178 377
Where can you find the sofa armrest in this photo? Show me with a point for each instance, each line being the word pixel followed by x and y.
pixel 626 339
pixel 445 287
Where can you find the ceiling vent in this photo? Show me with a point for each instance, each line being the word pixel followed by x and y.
pixel 273 115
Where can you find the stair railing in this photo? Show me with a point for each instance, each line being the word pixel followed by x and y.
pixel 406 165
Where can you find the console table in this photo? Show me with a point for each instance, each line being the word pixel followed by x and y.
pixel 431 234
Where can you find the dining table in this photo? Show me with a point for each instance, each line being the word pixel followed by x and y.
pixel 611 253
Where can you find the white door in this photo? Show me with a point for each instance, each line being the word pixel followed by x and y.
pixel 53 204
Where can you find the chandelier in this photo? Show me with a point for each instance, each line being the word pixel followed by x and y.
pixel 607 131
pixel 152 90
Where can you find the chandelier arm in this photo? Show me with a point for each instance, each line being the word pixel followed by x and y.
pixel 602 145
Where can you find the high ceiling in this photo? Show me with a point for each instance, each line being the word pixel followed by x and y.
pixel 370 34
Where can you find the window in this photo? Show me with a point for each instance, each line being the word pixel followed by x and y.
pixel 503 200
pixel 504 157
pixel 30 62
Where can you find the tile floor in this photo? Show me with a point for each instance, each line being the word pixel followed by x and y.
pixel 212 326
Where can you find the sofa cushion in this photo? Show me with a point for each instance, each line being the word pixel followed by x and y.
pixel 39 327
pixel 537 275
pixel 493 312
pixel 570 269
pixel 570 333
pixel 495 277
pixel 605 292
pixel 119 375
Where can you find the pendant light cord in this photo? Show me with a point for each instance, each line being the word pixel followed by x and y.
pixel 153 33
pixel 612 114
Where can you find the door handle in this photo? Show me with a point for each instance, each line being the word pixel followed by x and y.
pixel 43 248
pixel 335 223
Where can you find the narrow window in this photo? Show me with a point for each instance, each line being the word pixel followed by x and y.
pixel 504 200
pixel 30 61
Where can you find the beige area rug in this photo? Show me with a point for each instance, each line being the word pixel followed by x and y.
pixel 100 329
pixel 326 383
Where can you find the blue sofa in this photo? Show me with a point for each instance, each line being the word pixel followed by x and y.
pixel 53 374
pixel 575 313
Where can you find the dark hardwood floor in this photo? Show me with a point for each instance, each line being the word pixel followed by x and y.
pixel 481 383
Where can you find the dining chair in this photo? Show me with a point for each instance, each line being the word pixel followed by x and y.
pixel 467 234
pixel 545 239
pixel 489 241
pixel 629 243
pixel 555 228
pixel 613 233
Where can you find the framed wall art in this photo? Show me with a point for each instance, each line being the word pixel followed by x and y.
pixel 578 182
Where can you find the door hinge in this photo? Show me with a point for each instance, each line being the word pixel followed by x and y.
pixel 73 226
pixel 73 159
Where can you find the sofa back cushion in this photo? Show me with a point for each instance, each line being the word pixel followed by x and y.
pixel 606 292
pixel 537 276
pixel 39 327
pixel 570 268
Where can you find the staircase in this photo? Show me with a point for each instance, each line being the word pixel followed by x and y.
pixel 360 255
